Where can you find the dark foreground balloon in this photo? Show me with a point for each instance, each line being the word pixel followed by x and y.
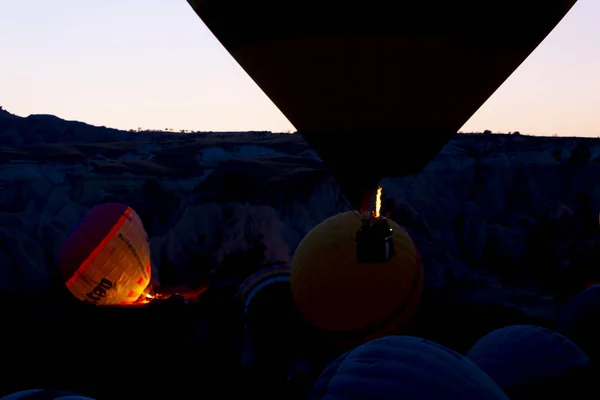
pixel 43 394
pixel 578 320
pixel 353 80
pixel 106 258
pixel 350 301
pixel 404 368
pixel 275 277
pixel 269 313
pixel 275 334
pixel 529 362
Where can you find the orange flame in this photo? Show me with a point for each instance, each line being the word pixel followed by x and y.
pixel 378 202
pixel 144 298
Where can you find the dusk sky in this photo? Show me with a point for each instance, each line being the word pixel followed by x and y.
pixel 154 64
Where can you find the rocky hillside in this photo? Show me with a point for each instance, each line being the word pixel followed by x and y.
pixel 504 218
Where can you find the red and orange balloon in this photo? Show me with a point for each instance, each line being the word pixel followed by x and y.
pixel 106 258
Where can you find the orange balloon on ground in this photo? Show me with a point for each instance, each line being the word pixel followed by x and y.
pixel 106 258
pixel 355 302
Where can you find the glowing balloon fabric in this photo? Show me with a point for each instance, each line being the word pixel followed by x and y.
pixel 355 302
pixel 106 258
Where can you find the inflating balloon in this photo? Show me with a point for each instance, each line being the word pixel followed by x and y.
pixel 529 361
pixel 106 258
pixel 353 80
pixel 403 368
pixel 354 302
pixel 43 394
pixel 578 321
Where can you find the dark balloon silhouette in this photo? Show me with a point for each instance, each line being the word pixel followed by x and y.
pixel 403 368
pixel 268 310
pixel 43 394
pixel 530 361
pixel 378 89
pixel 578 321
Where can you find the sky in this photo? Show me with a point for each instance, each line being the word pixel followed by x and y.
pixel 153 64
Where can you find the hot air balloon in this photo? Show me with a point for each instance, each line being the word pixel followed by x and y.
pixel 274 327
pixel 403 368
pixel 578 321
pixel 353 79
pixel 43 394
pixel 277 276
pixel 268 308
pixel 529 361
pixel 273 331
pixel 106 258
pixel 350 299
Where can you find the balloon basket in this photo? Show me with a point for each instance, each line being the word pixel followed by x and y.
pixel 374 241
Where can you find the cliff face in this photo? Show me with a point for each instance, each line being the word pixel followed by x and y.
pixel 508 218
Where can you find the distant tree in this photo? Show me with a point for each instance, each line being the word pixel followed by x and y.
pixel 487 132
pixel 516 133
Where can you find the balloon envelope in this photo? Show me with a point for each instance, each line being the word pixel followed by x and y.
pixel 403 368
pixel 277 276
pixel 354 79
pixel 106 258
pixel 526 359
pixel 354 302
pixel 273 325
pixel 578 320
pixel 269 312
pixel 43 394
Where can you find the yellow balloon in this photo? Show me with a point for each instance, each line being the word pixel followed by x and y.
pixel 355 302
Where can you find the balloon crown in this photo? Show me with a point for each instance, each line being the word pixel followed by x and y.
pixel 374 241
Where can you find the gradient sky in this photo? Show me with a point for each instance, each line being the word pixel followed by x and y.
pixel 154 64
